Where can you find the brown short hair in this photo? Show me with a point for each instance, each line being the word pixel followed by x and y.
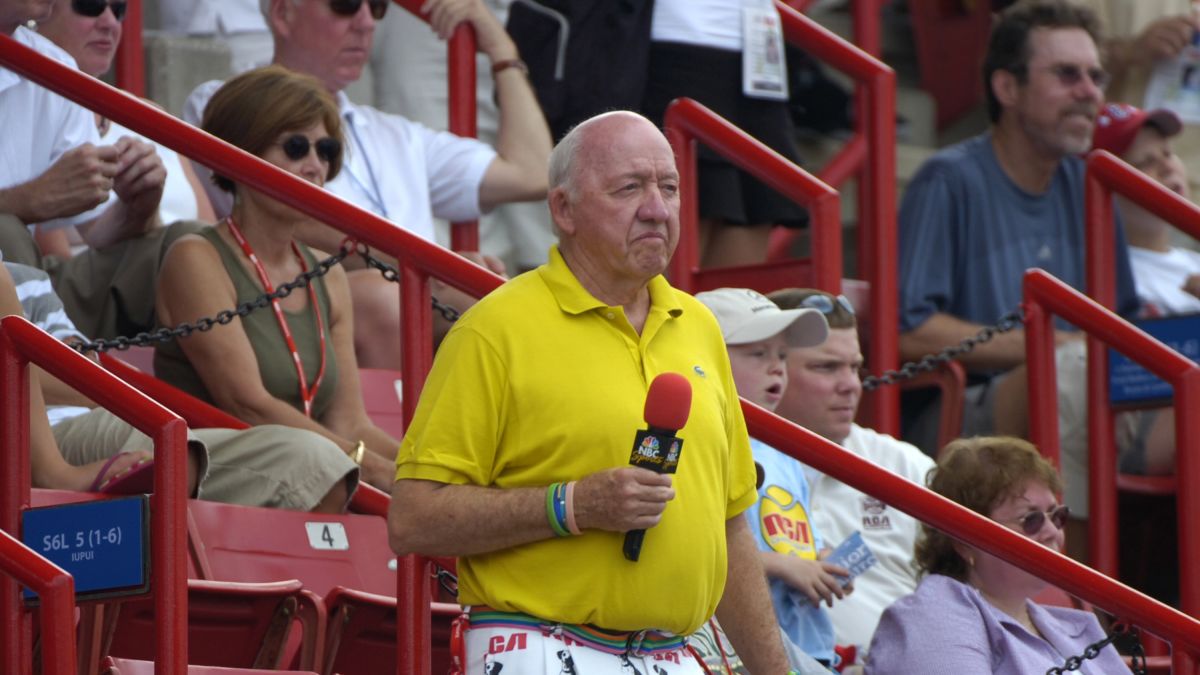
pixel 1008 45
pixel 252 109
pixel 978 473
pixel 793 298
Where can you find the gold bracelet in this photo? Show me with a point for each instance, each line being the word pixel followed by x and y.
pixel 356 455
pixel 516 64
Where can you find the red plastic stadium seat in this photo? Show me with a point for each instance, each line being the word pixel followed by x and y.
pixel 249 544
pixel 115 666
pixel 234 625
pixel 382 397
pixel 362 633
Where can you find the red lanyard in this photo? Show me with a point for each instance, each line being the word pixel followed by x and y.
pixel 306 395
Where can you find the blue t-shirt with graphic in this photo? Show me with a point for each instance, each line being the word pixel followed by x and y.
pixel 780 523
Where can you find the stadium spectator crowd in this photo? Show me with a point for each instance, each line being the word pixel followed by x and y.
pixel 514 462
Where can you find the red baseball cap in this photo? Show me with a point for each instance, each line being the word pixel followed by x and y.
pixel 1119 123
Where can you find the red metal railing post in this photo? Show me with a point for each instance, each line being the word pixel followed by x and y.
pixel 130 67
pixel 878 246
pixel 168 503
pixel 463 117
pixel 1106 175
pixel 56 590
pixel 875 143
pixel 413 622
pixel 1039 360
pixel 686 122
pixel 1187 471
pixel 15 630
pixel 414 626
pixel 686 260
pixel 1106 329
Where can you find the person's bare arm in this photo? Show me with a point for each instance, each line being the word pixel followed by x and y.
pixel 433 518
pixel 745 609
pixel 223 358
pixel 347 415
pixel 523 141
pixel 57 392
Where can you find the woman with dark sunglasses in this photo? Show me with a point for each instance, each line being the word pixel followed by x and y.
pixel 90 30
pixel 292 363
pixel 972 612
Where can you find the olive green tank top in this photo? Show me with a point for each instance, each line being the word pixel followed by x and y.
pixel 275 365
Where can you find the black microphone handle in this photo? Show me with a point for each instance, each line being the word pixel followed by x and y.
pixel 633 544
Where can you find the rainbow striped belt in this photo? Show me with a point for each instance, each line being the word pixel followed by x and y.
pixel 629 643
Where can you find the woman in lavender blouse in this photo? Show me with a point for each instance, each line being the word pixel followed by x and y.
pixel 972 613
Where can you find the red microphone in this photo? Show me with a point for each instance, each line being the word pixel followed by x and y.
pixel 668 403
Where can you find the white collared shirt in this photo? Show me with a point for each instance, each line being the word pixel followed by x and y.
pixel 393 167
pixel 39 125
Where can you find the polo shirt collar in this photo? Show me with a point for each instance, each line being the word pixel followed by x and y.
pixel 573 298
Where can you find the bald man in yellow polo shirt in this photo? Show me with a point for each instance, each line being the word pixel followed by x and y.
pixel 543 383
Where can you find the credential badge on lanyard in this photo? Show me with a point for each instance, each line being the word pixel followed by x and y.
pixel 764 69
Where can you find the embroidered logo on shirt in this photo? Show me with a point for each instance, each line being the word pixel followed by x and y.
pixel 699 371
pixel 874 514
pixel 785 524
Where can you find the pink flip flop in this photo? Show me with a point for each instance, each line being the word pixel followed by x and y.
pixel 137 479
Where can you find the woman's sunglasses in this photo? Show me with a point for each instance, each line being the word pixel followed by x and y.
pixel 95 8
pixel 297 147
pixel 1032 522
pixel 351 7
pixel 824 303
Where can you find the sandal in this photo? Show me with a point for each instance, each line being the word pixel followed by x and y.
pixel 138 478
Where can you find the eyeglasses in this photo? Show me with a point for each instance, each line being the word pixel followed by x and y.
pixel 296 148
pixel 351 7
pixel 824 303
pixel 1032 522
pixel 94 8
pixel 1070 74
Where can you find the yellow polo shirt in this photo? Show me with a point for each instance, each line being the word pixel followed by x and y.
pixel 541 382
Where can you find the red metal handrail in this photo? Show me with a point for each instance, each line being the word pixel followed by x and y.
pixel 1045 297
pixel 871 154
pixel 687 122
pixel 56 590
pixel 22 343
pixel 965 525
pixel 417 258
pixel 1107 175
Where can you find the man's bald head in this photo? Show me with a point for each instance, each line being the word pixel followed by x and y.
pixel 566 156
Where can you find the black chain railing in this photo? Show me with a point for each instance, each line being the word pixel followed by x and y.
pixel 931 362
pixel 222 318
pixel 393 275
pixel 1127 636
pixel 908 371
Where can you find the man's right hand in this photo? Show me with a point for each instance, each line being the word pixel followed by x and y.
pixel 80 180
pixel 623 499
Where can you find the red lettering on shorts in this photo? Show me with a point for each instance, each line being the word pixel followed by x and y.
pixel 672 656
pixel 498 645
